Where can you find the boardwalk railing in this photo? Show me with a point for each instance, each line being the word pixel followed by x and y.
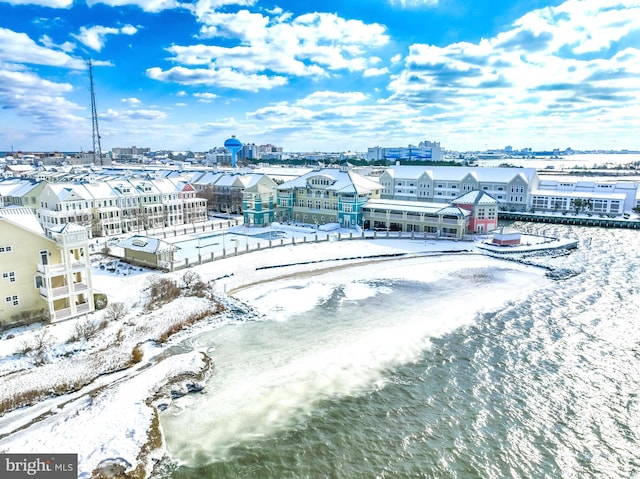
pixel 318 237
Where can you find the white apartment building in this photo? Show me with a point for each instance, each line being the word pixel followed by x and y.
pixel 511 187
pixel 425 151
pixel 113 207
pixel 597 196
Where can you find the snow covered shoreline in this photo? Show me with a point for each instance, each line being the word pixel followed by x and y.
pixel 113 421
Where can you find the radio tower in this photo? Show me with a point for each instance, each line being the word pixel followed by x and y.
pixel 97 149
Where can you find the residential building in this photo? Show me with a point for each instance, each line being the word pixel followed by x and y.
pixel 259 201
pixel 130 153
pixel 326 195
pixel 148 251
pixel 112 207
pixel 596 196
pixel 45 276
pixel 511 187
pixel 446 221
pixel 482 208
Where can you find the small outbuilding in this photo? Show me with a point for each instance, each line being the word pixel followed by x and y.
pixel 506 236
pixel 148 251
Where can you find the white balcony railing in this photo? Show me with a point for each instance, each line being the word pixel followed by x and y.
pixel 63 291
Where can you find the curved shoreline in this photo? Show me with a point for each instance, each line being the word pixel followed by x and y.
pixel 232 276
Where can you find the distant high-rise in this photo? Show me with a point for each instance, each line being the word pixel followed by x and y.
pixel 234 146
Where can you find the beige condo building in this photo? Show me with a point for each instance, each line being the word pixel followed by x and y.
pixel 44 275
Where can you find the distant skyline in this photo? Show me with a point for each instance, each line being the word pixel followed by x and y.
pixel 321 76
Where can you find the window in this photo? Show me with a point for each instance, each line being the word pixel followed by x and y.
pixel 12 300
pixel 11 276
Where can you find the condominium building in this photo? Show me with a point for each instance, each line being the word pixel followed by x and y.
pixel 124 205
pixel 326 195
pixel 44 275
pixel 595 196
pixel 511 187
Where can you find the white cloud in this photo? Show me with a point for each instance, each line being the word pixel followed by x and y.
pixel 131 101
pixel 42 3
pixel 223 77
pixel 49 43
pixel 372 72
pixel 326 98
pixel 205 97
pixel 40 101
pixel 151 6
pixel 269 49
pixel 415 3
pixel 533 76
pixel 20 48
pixel 95 37
pixel 133 115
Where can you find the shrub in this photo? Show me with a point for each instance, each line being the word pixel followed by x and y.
pixel 136 354
pixel 161 291
pixel 115 311
pixel 199 289
pixel 41 343
pixel 100 301
pixel 83 330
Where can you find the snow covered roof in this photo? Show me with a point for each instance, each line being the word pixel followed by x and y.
pixel 506 230
pixel 342 181
pixel 23 217
pixel 67 228
pixel 475 197
pixel 146 244
pixel 457 173
pixel 16 186
pixel 414 207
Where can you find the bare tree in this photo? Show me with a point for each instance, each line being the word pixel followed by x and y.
pixel 189 278
pixel 115 311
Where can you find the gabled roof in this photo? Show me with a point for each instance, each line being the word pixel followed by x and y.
pixel 475 197
pixel 24 218
pixel 430 208
pixel 343 181
pixel 457 173
pixel 67 228
pixel 454 211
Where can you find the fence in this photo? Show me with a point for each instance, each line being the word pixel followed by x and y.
pixel 311 238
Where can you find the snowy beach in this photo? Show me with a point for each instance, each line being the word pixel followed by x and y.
pixel 112 421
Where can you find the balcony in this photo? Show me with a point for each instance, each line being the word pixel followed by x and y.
pixel 67 313
pixel 63 291
pixel 52 269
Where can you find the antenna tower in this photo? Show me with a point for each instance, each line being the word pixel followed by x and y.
pixel 97 149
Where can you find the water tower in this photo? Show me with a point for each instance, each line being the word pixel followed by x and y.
pixel 234 146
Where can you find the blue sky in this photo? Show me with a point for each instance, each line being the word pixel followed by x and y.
pixel 320 75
